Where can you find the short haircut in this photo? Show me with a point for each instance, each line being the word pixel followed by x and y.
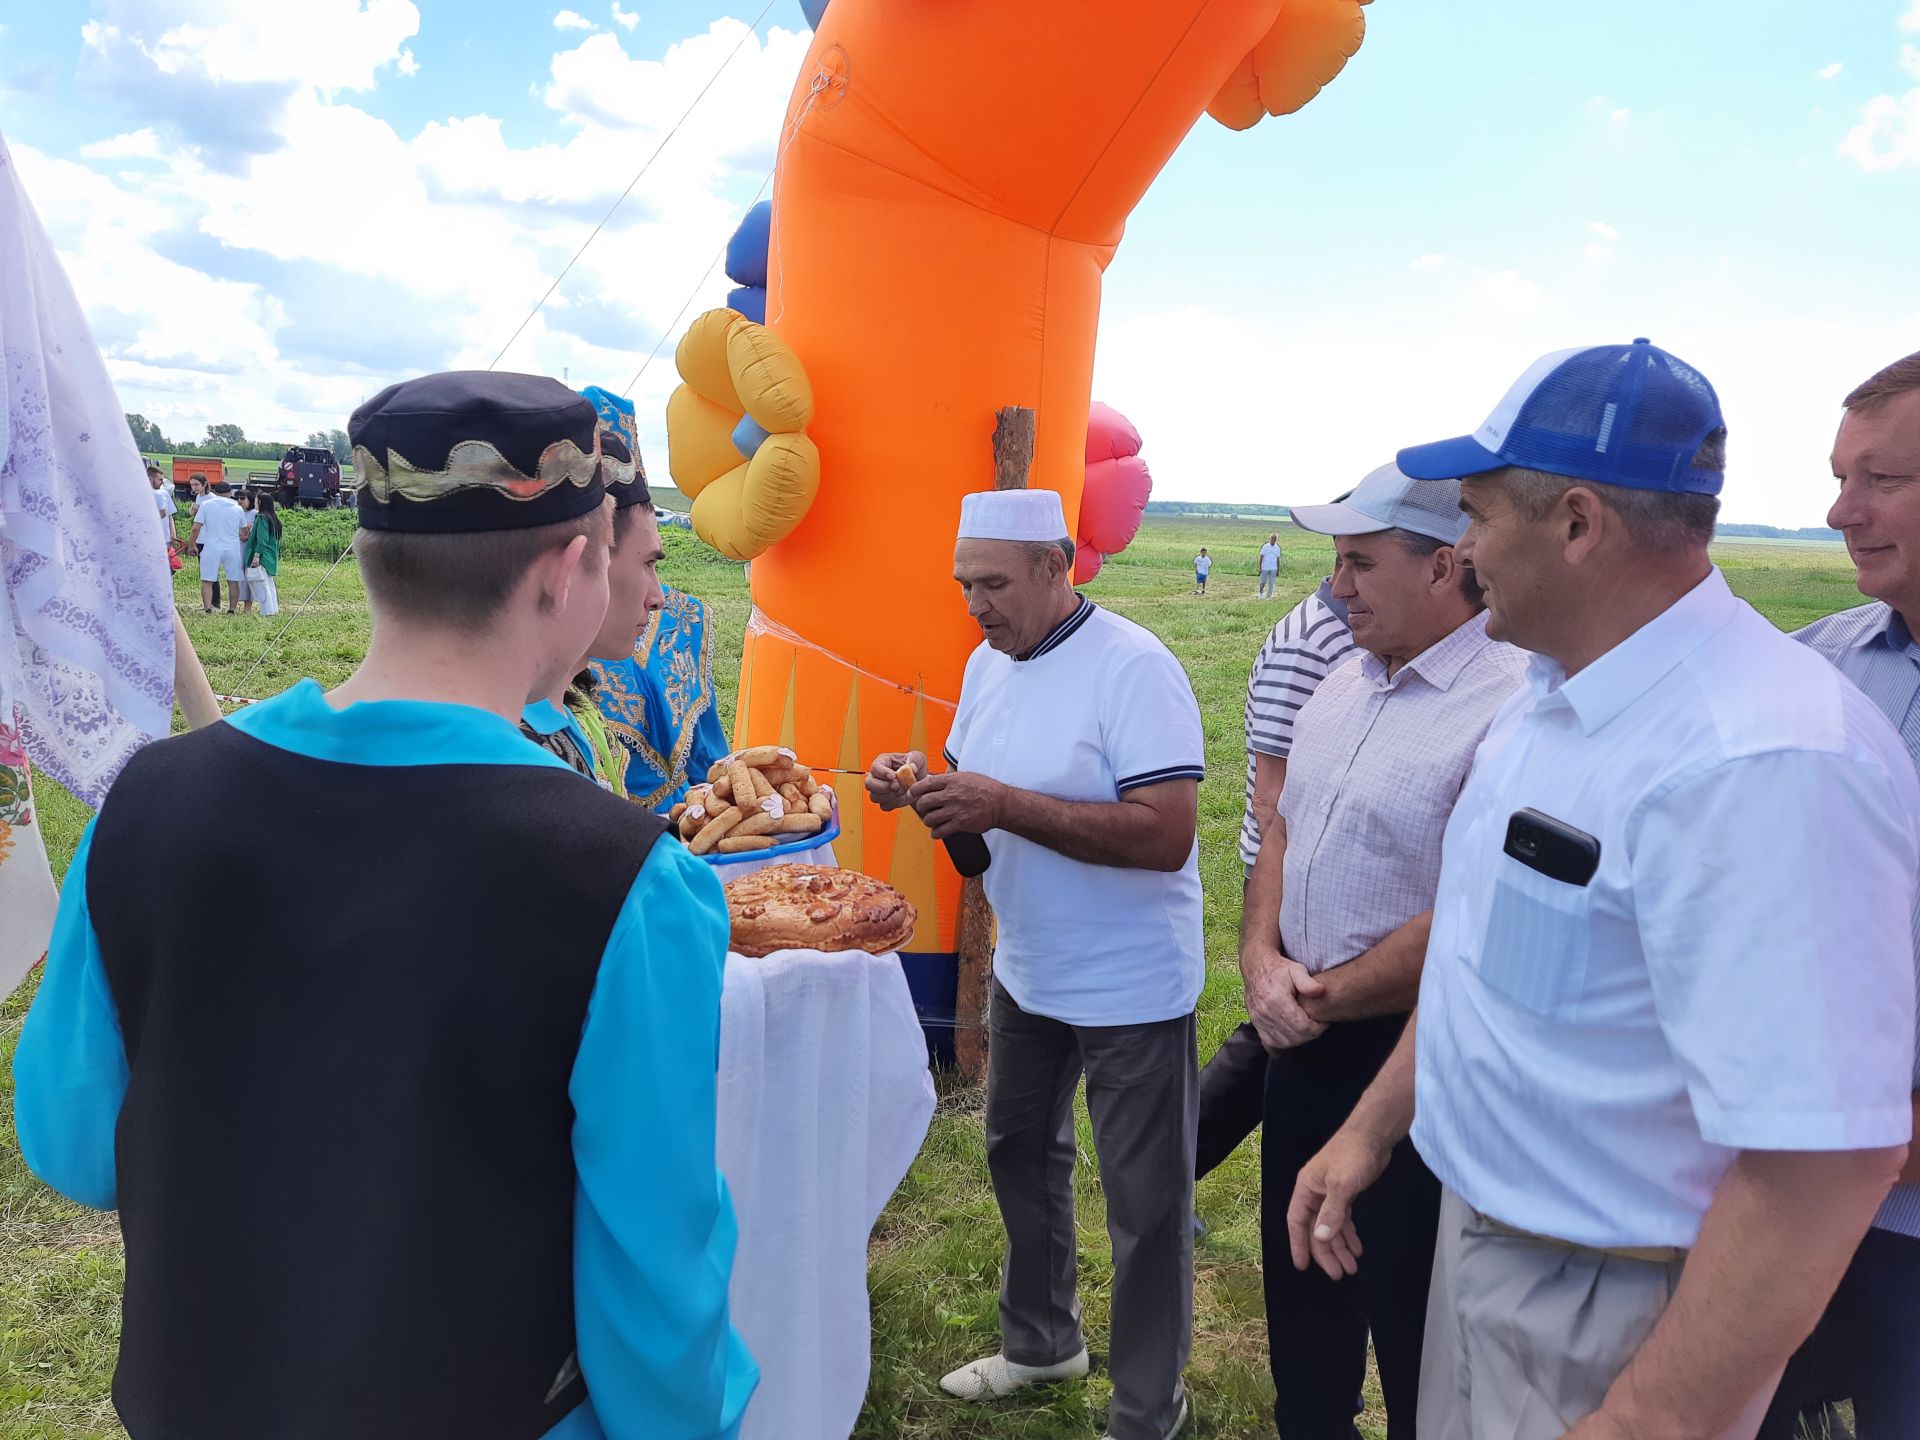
pixel 1414 543
pixel 1662 521
pixel 221 487
pixel 463 581
pixel 1037 551
pixel 624 517
pixel 1898 378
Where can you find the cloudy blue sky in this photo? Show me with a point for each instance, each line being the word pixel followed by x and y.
pixel 272 209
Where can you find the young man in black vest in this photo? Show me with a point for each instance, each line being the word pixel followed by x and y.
pixel 440 1161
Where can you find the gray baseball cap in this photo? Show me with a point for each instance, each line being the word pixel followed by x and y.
pixel 1390 500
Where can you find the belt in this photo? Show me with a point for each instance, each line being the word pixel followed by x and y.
pixel 1645 1254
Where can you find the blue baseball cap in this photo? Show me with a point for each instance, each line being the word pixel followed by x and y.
pixel 1628 415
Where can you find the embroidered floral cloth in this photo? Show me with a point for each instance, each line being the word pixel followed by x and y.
pixel 659 704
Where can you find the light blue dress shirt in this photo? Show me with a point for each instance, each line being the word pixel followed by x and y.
pixel 1872 647
pixel 653 1225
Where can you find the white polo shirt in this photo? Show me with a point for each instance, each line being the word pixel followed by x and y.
pixel 1737 975
pixel 1099 708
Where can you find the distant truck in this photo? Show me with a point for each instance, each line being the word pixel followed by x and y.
pixel 309 477
pixel 188 468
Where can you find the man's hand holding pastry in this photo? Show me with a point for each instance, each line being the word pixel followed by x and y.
pixel 960 803
pixel 892 776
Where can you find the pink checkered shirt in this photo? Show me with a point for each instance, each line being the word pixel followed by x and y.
pixel 1377 764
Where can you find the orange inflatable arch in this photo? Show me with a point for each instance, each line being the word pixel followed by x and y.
pixel 954 176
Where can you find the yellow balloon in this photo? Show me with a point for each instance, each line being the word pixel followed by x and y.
pixel 771 382
pixel 701 358
pixel 699 441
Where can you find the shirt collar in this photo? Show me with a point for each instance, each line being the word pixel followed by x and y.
pixel 387 732
pixel 1062 632
pixel 1440 663
pixel 544 717
pixel 1631 668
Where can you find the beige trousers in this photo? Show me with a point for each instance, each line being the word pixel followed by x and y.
pixel 1524 1336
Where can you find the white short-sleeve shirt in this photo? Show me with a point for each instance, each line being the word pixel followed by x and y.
pixel 163 501
pixel 1269 556
pixel 1737 975
pixel 1202 564
pixel 1099 708
pixel 220 520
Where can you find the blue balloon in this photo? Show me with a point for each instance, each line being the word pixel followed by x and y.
pixel 814 10
pixel 750 301
pixel 748 437
pixel 747 250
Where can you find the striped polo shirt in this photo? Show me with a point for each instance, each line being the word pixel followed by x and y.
pixel 1308 642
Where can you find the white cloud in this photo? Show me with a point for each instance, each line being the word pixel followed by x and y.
pixel 1827 72
pixel 1620 116
pixel 406 64
pixel 573 20
pixel 1910 58
pixel 1428 262
pixel 1600 230
pixel 625 19
pixel 140 144
pixel 1887 136
pixel 340 44
pixel 1910 22
pixel 211 306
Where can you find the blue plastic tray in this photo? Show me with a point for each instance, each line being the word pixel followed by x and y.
pixel 798 845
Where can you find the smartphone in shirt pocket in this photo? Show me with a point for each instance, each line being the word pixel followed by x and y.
pixel 1540 919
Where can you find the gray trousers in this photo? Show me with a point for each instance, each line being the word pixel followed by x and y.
pixel 1525 1336
pixel 1143 1096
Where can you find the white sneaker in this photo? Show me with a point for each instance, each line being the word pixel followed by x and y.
pixel 996 1376
pixel 1179 1421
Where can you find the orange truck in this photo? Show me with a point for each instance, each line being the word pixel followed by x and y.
pixel 188 468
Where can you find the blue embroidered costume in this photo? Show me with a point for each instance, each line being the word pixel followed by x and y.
pixel 659 704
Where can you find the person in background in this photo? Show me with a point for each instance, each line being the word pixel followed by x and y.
pixel 566 721
pixel 243 587
pixel 1663 1059
pixel 1867 1347
pixel 659 703
pixel 1269 565
pixel 197 489
pixel 656 699
pixel 439 1162
pixel 261 559
pixel 1202 567
pixel 1309 641
pixel 1336 922
pixel 1077 752
pixel 217 523
pixel 163 501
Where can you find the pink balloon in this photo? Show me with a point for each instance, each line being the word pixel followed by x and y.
pixel 1086 564
pixel 1114 502
pixel 1110 435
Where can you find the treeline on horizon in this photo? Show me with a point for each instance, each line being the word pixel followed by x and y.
pixel 1217 510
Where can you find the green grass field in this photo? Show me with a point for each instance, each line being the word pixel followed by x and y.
pixel 936 1252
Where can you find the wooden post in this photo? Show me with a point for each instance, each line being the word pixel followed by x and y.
pixel 191 692
pixel 1013 438
pixel 974 942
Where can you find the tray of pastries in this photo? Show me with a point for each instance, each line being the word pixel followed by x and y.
pixel 755 805
pixel 810 907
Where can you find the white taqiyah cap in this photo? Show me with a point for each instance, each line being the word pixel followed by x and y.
pixel 1013 515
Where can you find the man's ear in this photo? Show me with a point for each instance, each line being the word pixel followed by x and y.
pixel 1583 523
pixel 552 576
pixel 1443 570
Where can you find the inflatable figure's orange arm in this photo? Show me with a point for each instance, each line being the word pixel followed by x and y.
pixel 954 177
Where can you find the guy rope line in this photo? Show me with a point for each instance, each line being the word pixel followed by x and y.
pixel 241 688
pixel 692 295
pixel 664 141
